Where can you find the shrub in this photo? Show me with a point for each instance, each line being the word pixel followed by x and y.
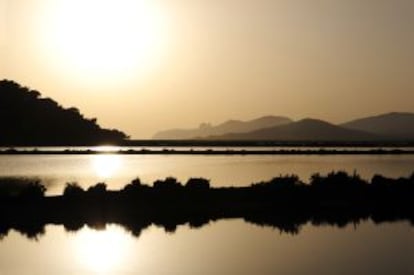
pixel 73 190
pixel 97 189
pixel 34 190
pixel 135 186
pixel 168 183
pixel 198 184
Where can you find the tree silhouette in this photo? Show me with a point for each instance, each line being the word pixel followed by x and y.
pixel 28 119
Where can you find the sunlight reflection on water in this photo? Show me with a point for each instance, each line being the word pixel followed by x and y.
pixel 222 247
pixel 118 170
pixel 106 166
pixel 103 251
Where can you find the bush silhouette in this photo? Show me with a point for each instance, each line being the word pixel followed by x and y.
pixel 73 190
pixel 33 190
pixel 337 179
pixel 135 186
pixel 98 189
pixel 280 182
pixel 169 183
pixel 379 181
pixel 13 186
pixel 198 184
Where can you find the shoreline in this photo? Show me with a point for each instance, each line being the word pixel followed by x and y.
pixel 379 151
pixel 285 203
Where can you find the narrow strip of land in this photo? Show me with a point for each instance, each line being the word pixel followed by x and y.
pixel 284 202
pixel 211 152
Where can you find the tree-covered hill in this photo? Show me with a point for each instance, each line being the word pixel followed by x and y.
pixel 26 118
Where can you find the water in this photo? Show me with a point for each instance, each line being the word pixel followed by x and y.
pixel 118 170
pixel 222 247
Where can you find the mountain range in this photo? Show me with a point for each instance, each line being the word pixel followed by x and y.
pixel 391 125
pixel 385 127
pixel 26 118
pixel 230 126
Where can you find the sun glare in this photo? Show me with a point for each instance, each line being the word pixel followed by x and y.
pixel 107 38
pixel 102 251
pixel 106 148
pixel 106 166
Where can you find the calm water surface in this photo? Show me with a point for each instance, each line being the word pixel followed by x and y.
pixel 222 247
pixel 118 170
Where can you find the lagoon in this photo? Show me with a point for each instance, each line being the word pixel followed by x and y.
pixel 226 170
pixel 222 247
pixel 226 246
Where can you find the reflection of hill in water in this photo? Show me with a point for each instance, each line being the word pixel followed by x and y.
pixel 284 203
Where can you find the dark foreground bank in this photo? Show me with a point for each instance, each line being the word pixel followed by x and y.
pixel 284 202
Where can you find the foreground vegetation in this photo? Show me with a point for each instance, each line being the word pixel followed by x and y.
pixel 284 202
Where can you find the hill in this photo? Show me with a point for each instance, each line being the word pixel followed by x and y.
pixel 303 130
pixel 230 126
pixel 395 125
pixel 28 119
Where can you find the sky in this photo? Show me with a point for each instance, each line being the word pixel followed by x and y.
pixel 148 65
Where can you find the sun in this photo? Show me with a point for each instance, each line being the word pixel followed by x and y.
pixel 106 38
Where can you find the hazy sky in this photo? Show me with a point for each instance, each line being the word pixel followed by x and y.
pixel 147 65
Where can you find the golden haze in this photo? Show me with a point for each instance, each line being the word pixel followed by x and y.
pixel 143 65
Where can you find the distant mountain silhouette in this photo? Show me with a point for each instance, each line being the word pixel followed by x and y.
pixel 230 126
pixel 28 119
pixel 303 130
pixel 393 125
